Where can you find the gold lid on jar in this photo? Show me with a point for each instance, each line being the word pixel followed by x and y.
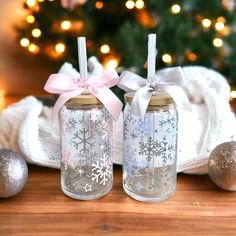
pixel 84 99
pixel 159 98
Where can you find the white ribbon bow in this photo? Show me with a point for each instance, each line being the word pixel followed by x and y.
pixel 144 88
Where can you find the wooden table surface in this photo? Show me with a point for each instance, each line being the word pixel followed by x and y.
pixel 197 208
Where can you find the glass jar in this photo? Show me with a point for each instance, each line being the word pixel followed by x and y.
pixel 150 149
pixel 86 148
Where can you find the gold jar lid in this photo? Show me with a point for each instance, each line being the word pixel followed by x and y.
pixel 84 99
pixel 159 98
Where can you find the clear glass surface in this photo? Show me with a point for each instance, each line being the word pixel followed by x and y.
pixel 150 149
pixel 86 151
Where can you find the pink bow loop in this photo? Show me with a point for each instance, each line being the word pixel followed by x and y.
pixel 70 87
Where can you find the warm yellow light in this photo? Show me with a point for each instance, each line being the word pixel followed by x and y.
pixel 233 94
pixel 167 58
pixel 192 56
pixel 221 19
pixel 30 19
pixel 60 47
pixel 33 48
pixel 112 63
pixel 40 0
pixel 217 42
pixel 139 4
pixel 31 3
pixel 206 23
pixel 130 4
pixel 219 26
pixel 24 42
pixel 105 49
pixel 36 32
pixel 99 4
pixel 65 25
pixel 175 9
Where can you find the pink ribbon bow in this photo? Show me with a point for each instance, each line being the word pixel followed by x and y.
pixel 70 87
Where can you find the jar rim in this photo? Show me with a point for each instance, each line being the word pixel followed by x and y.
pixel 159 98
pixel 84 99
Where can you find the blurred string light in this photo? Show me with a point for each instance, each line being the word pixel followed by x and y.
pixel 139 4
pixel 192 56
pixel 105 49
pixel 60 48
pixel 206 23
pixel 40 0
pixel 221 19
pixel 175 9
pixel 30 19
pixel 99 5
pixel 36 32
pixel 167 58
pixel 217 42
pixel 31 3
pixel 219 26
pixel 33 48
pixel 233 94
pixel 112 63
pixel 65 25
pixel 130 4
pixel 24 42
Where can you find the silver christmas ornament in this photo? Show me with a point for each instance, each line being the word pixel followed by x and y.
pixel 222 166
pixel 13 173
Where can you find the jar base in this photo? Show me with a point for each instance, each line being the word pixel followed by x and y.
pixel 148 199
pixel 83 197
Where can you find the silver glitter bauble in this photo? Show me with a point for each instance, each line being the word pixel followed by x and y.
pixel 222 166
pixel 13 173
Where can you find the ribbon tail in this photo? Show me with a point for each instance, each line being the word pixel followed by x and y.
pixel 109 100
pixel 63 99
pixel 131 82
pixel 173 75
pixel 178 95
pixel 140 101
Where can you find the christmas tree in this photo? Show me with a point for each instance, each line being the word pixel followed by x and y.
pixel 190 32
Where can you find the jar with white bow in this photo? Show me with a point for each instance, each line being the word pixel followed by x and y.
pixel 150 132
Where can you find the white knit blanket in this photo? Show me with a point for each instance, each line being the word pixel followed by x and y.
pixel 26 128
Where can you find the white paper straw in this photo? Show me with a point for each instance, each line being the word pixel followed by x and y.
pixel 151 55
pixel 82 56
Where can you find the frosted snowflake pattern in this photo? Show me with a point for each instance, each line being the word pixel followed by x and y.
pixel 83 136
pixel 67 160
pixel 143 127
pixel 70 125
pixel 150 148
pixel 165 150
pixel 130 163
pixel 102 170
pixel 168 122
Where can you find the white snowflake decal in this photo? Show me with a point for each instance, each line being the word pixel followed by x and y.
pixel 80 171
pixel 102 171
